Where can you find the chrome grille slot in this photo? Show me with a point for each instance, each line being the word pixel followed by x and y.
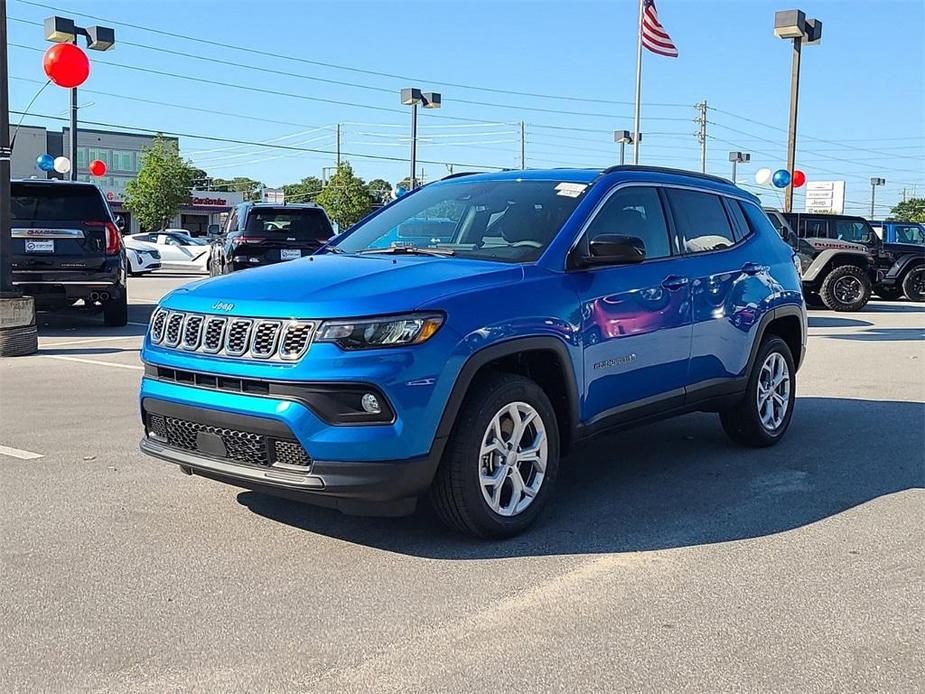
pixel 192 332
pixel 295 340
pixel 158 321
pixel 238 336
pixel 172 331
pixel 213 336
pixel 263 344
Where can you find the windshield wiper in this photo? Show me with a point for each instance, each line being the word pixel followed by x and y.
pixel 409 250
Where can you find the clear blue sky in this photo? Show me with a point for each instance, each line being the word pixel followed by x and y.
pixel 862 88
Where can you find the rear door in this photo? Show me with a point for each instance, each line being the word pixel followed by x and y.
pixel 58 226
pixel 272 234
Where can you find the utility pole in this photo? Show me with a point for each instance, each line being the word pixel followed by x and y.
pixel 338 144
pixel 523 148
pixel 702 134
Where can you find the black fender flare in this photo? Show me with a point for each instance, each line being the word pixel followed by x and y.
pixel 772 315
pixel 904 263
pixel 496 351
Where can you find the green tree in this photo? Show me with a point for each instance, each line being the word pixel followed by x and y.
pixel 304 191
pixel 163 184
pixel 345 198
pixel 252 189
pixel 380 190
pixel 911 210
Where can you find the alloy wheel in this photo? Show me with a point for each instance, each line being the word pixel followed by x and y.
pixel 773 391
pixel 847 289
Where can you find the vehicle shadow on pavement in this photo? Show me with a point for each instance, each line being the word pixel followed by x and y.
pixel 676 484
pixel 77 322
pixel 834 322
pixel 881 335
pixel 894 308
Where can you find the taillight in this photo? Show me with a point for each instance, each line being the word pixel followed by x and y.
pixel 113 237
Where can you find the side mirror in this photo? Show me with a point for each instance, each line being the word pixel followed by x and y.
pixel 214 231
pixel 615 249
pixel 120 223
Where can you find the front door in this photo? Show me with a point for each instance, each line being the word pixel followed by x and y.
pixel 636 319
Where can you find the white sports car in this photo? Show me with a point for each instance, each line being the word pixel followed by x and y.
pixel 178 251
pixel 142 256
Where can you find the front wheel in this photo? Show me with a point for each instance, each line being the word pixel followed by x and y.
pixel 845 288
pixel 501 461
pixel 763 415
pixel 914 284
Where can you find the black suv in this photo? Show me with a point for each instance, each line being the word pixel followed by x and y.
pixel 261 234
pixel 67 248
pixel 899 268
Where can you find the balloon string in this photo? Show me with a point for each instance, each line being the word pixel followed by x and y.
pixel 24 112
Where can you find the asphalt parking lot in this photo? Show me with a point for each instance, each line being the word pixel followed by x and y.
pixel 671 559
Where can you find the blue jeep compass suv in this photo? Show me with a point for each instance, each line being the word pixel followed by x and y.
pixel 457 342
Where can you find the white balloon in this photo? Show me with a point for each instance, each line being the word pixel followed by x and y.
pixel 763 177
pixel 62 165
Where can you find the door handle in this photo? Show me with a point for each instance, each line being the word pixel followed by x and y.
pixel 753 268
pixel 674 282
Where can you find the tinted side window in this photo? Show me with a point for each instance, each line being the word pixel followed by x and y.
pixel 57 202
pixel 701 220
pixel 634 211
pixel 814 228
pixel 850 230
pixel 740 227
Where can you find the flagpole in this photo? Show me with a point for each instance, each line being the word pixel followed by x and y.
pixel 636 137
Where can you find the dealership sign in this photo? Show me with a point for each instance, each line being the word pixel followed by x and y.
pixel 825 196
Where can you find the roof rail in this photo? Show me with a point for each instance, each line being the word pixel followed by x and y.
pixel 461 173
pixel 666 170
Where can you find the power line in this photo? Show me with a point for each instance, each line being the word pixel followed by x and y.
pixel 334 66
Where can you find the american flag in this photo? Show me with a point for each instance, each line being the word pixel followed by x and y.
pixel 654 36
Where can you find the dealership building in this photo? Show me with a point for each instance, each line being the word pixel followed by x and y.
pixel 121 152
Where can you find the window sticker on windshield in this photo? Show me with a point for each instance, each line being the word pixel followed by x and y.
pixel 572 190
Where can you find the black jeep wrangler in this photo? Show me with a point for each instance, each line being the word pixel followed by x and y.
pixel 899 268
pixel 836 274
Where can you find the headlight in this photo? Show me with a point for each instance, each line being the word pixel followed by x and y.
pixel 388 331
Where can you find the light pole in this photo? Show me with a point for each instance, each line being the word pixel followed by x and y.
pixel 64 30
pixel 623 138
pixel 411 96
pixel 738 158
pixel 874 182
pixel 793 24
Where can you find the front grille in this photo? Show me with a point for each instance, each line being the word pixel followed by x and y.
pixel 192 332
pixel 265 334
pixel 172 332
pixel 248 338
pixel 157 325
pixel 214 334
pixel 238 336
pixel 240 446
pixel 295 340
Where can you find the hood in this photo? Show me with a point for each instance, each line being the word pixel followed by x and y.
pixel 338 286
pixel 137 245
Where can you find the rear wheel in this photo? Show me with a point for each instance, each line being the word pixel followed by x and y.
pixel 914 284
pixel 763 415
pixel 845 288
pixel 501 461
pixel 115 311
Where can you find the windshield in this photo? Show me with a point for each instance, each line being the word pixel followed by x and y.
pixel 510 221
pixel 302 224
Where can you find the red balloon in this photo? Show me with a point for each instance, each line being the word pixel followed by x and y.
pixel 97 167
pixel 66 65
pixel 799 178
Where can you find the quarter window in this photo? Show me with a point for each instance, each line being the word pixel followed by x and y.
pixel 634 211
pixel 701 221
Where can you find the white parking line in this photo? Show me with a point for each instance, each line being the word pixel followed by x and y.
pixel 143 325
pixel 93 361
pixel 17 453
pixel 85 340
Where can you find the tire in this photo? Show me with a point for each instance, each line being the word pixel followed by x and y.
pixel 914 284
pixel 457 493
pixel 890 293
pixel 18 342
pixel 836 289
pixel 115 311
pixel 743 421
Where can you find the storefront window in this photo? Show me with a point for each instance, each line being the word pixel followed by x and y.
pixel 123 160
pixel 104 155
pixel 82 158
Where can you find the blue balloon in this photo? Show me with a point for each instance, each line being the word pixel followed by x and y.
pixel 781 178
pixel 399 191
pixel 45 162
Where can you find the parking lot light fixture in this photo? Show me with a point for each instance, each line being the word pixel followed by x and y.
pixel 738 158
pixel 874 182
pixel 412 96
pixel 793 25
pixel 99 38
pixel 623 138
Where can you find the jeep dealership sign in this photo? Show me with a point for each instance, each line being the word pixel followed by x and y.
pixel 825 196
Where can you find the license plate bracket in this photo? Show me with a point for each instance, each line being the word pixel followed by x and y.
pixel 289 254
pixel 40 246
